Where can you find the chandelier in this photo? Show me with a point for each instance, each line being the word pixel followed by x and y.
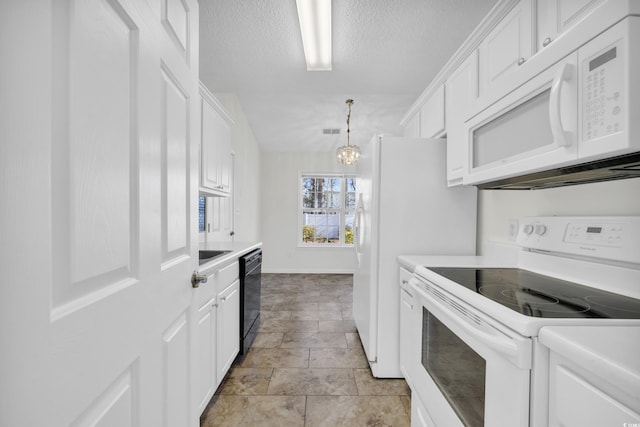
pixel 348 154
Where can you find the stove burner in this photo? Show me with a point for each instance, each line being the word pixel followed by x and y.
pixel 531 302
pixel 537 295
pixel 630 306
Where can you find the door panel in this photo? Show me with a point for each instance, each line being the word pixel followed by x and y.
pixel 176 387
pixel 94 180
pixel 99 173
pixel 114 407
pixel 175 140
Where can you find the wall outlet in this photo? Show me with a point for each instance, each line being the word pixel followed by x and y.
pixel 512 230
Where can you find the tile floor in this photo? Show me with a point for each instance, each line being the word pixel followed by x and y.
pixel 306 366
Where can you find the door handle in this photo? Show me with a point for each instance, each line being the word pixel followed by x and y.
pixel 197 278
pixel 560 137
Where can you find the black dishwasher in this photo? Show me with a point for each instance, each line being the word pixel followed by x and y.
pixel 250 284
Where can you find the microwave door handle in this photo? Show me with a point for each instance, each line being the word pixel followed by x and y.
pixel 560 137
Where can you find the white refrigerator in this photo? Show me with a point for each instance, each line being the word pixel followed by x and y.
pixel 403 207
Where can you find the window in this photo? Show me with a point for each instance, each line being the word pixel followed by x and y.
pixel 327 209
pixel 202 206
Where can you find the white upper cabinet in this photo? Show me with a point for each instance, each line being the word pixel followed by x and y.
pixel 216 158
pixel 427 119
pixel 432 118
pixel 461 95
pixel 507 47
pixel 557 16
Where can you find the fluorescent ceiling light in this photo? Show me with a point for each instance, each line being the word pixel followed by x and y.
pixel 315 26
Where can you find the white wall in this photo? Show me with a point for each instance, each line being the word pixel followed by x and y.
pixel 496 207
pixel 279 187
pixel 246 185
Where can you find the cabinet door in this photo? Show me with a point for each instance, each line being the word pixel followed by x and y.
pixel 557 16
pixel 216 169
pixel 432 116
pixel 461 95
pixel 228 328
pixel 507 47
pixel 205 336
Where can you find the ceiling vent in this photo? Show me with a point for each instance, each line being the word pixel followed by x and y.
pixel 331 131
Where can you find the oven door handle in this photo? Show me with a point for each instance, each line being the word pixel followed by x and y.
pixel 461 323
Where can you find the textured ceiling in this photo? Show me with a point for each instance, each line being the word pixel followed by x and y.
pixel 385 53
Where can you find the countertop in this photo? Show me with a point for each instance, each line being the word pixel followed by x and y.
pixel 610 352
pixel 237 250
pixel 497 255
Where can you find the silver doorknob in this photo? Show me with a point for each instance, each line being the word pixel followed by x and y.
pixel 521 61
pixel 197 278
pixel 546 42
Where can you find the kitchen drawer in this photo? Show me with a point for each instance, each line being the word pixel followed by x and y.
pixel 226 275
pixel 217 281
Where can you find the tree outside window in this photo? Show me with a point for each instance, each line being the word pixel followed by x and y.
pixel 328 204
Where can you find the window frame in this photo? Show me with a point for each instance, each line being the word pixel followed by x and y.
pixel 342 211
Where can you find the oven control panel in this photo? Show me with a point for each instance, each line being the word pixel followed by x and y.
pixel 595 234
pixel 612 238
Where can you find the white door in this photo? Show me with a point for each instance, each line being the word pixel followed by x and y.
pixel 98 186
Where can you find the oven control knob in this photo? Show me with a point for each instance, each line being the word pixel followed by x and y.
pixel 527 229
pixel 540 229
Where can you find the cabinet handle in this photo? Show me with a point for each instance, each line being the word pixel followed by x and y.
pixel 546 42
pixel 521 60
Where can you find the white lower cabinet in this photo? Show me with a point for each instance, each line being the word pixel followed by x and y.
pixel 228 328
pixel 205 336
pixel 216 331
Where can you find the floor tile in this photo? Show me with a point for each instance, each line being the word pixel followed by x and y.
pixel 368 385
pixel 275 314
pixel 337 326
pixel 313 340
pixel 337 358
pixel 378 411
pixel 313 381
pixel 280 325
pixel 263 411
pixel 316 315
pixel 353 340
pixel 267 340
pixel 246 381
pixel 276 358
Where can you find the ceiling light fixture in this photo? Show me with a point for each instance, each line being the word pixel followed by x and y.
pixel 348 154
pixel 315 26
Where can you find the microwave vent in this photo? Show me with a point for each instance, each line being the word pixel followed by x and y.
pixel 621 167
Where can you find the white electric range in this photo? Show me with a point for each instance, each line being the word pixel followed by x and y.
pixel 479 361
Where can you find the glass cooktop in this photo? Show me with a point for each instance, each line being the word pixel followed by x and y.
pixel 537 295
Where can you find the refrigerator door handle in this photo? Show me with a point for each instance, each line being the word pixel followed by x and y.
pixel 357 226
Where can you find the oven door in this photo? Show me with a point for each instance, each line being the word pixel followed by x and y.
pixel 472 370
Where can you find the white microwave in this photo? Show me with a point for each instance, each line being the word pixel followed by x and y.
pixel 581 110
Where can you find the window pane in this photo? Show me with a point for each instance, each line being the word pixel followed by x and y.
pixel 323 200
pixel 202 203
pixel 350 201
pixel 348 227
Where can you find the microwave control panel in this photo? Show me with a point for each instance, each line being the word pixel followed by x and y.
pixel 603 94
